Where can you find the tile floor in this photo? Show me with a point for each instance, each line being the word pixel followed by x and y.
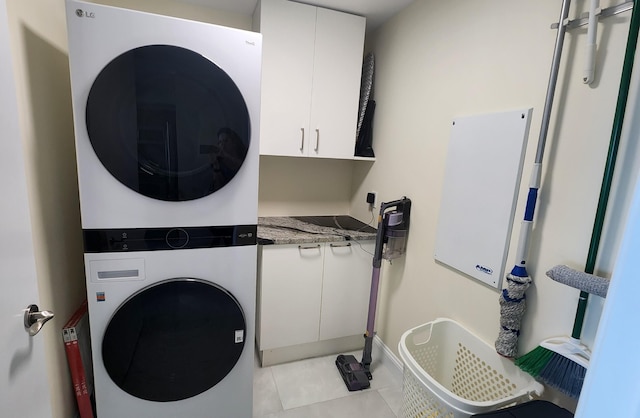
pixel 313 388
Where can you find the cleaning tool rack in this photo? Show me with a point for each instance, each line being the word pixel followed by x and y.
pixel 606 12
pixel 451 373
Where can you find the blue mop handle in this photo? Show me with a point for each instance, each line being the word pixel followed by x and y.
pixel 520 267
pixel 520 270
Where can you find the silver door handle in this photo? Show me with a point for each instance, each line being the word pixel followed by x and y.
pixel 302 140
pixel 308 247
pixel 348 244
pixel 317 140
pixel 34 319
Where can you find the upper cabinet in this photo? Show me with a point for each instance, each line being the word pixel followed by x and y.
pixel 311 69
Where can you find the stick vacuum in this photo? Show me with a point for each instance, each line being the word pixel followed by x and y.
pixel 391 242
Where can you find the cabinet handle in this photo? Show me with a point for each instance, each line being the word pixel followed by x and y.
pixel 348 244
pixel 317 140
pixel 308 247
pixel 302 140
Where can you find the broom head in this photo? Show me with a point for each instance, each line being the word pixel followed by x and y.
pixel 564 372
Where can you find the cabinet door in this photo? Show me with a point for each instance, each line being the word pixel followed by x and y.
pixel 337 69
pixel 345 289
pixel 290 289
pixel 288 30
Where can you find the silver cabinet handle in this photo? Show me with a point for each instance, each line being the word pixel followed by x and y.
pixel 317 140
pixel 34 319
pixel 308 247
pixel 347 244
pixel 302 140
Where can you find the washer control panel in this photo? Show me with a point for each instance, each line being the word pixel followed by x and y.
pixel 151 239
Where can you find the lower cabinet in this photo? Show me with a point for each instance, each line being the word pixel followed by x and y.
pixel 290 281
pixel 312 293
pixel 346 284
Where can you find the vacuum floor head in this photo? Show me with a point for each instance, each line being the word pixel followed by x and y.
pixel 355 376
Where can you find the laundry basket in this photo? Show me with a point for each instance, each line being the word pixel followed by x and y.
pixel 451 373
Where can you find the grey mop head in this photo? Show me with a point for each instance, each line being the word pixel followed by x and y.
pixel 589 283
pixel 512 307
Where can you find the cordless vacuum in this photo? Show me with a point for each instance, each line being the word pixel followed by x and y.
pixel 391 242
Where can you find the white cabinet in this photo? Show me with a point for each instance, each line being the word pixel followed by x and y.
pixel 312 292
pixel 311 70
pixel 290 294
pixel 346 286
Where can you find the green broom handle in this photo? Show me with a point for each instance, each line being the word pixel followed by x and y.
pixel 623 93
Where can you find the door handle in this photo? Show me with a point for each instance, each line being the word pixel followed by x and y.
pixel 317 140
pixel 34 319
pixel 308 247
pixel 302 140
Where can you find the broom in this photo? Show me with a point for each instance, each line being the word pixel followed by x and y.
pixel 562 362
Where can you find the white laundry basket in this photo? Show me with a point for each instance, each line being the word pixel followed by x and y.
pixel 451 373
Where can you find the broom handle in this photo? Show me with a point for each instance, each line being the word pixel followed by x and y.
pixel 623 94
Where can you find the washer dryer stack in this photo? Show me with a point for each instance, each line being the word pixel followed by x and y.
pixel 166 118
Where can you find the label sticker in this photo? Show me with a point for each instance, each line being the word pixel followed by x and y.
pixel 239 336
pixel 100 296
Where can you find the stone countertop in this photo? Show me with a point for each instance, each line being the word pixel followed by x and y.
pixel 287 230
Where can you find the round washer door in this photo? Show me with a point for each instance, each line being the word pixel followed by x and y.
pixel 168 123
pixel 174 340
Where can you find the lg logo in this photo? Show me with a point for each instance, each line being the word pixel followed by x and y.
pixel 82 13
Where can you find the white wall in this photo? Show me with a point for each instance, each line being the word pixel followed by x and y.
pixel 176 8
pixel 439 60
pixel 39 45
pixel 304 186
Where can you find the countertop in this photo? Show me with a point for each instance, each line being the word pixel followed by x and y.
pixel 300 230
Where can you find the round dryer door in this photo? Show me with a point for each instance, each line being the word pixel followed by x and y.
pixel 174 340
pixel 168 123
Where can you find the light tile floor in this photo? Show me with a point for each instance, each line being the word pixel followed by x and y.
pixel 314 388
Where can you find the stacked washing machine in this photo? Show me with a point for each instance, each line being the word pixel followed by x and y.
pixel 166 121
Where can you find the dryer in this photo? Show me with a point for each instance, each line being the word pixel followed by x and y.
pixel 166 118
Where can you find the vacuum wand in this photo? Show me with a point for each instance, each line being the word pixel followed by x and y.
pixel 391 240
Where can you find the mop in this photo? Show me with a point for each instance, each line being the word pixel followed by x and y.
pixel 513 298
pixel 562 362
